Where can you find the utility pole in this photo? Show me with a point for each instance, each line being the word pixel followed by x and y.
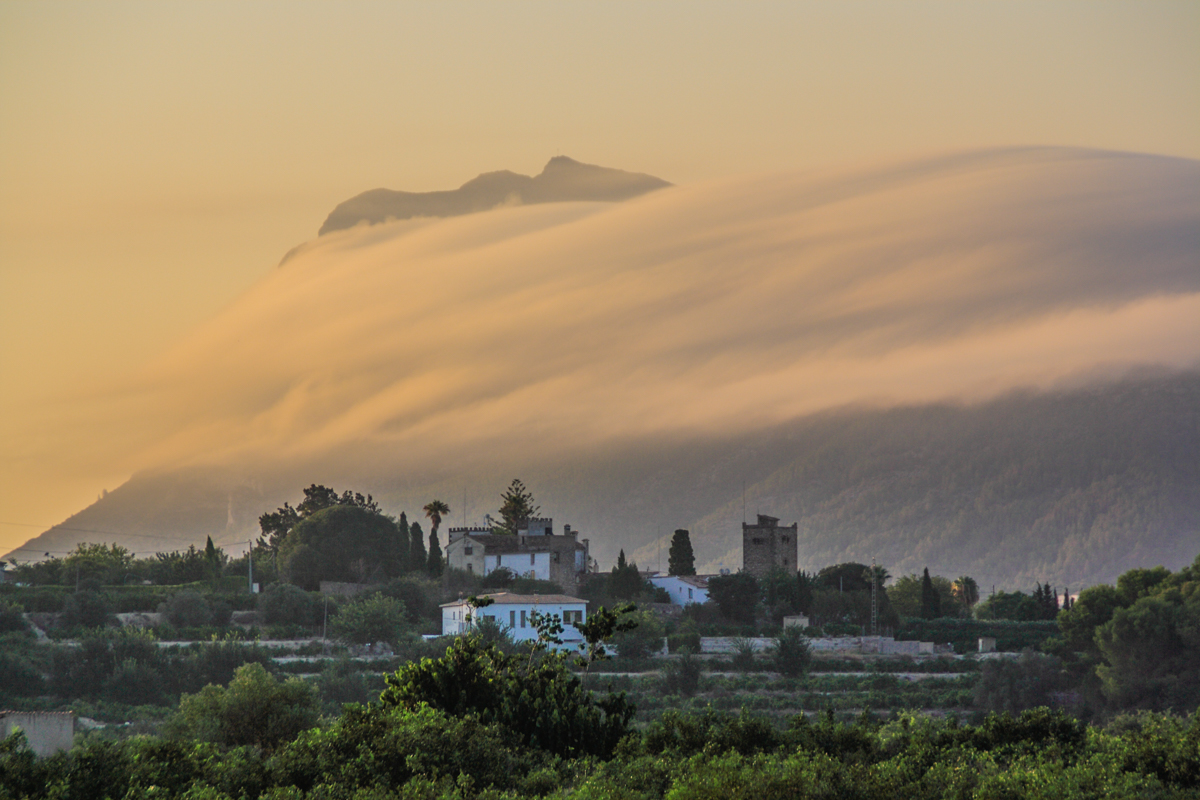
pixel 250 566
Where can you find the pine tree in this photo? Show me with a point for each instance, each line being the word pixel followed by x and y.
pixel 681 560
pixel 516 510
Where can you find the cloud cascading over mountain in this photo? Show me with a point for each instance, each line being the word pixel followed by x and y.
pixel 688 312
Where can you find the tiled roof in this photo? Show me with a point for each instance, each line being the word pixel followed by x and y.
pixel 503 598
pixel 494 543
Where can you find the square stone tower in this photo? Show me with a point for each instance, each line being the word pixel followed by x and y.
pixel 766 546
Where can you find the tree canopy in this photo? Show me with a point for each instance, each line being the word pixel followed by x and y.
pixel 342 543
pixel 277 524
pixel 681 560
pixel 516 508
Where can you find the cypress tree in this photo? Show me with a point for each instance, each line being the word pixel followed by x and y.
pixel 435 565
pixel 681 560
pixel 931 602
pixel 418 558
pixel 403 545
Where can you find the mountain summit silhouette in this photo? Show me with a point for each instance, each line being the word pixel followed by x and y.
pixel 562 180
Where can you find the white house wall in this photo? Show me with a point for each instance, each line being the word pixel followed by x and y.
pixel 682 593
pixel 516 617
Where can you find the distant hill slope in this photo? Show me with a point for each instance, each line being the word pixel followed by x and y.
pixel 563 179
pixel 1070 487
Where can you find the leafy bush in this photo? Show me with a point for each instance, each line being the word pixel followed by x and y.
pixel 254 709
pixel 373 619
pixel 86 609
pixel 20 675
pixel 536 698
pixel 743 654
pixel 681 675
pixel 12 618
pixel 792 653
pixel 186 609
pixel 642 641
pixel 285 604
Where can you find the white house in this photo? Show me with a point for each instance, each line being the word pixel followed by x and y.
pixel 514 613
pixel 684 589
pixel 534 552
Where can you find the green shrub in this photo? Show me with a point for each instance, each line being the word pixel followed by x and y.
pixel 285 604
pixel 12 618
pixel 681 675
pixel 254 709
pixel 792 653
pixel 186 609
pixel 372 619
pixel 86 609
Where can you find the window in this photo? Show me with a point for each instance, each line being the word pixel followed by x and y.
pixel 470 567
pixel 468 551
pixel 531 561
pixel 784 540
pixel 512 619
pixel 689 594
pixel 522 618
pixel 756 541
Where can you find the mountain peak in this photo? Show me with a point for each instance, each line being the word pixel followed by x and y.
pixel 562 180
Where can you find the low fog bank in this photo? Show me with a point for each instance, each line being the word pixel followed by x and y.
pixel 727 306
pixel 448 348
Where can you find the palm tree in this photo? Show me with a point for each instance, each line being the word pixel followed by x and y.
pixel 434 510
pixel 967 591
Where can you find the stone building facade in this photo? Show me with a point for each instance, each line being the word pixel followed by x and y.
pixel 767 546
pixel 535 552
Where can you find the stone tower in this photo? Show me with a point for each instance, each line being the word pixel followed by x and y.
pixel 766 546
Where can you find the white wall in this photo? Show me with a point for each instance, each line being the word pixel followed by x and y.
pixel 509 616
pixel 681 592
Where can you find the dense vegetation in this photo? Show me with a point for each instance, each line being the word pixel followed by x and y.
pixel 508 743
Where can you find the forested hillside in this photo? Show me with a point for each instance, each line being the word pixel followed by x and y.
pixel 1072 488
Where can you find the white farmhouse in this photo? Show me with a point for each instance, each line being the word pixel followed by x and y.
pixel 684 589
pixel 514 613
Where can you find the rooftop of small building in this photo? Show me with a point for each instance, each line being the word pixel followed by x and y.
pixel 699 581
pixel 504 543
pixel 510 598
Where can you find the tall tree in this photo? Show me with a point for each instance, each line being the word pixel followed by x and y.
pixel 277 524
pixel 435 510
pixel 625 582
pixel 681 560
pixel 516 509
pixel 931 602
pixel 436 564
pixel 966 591
pixel 418 558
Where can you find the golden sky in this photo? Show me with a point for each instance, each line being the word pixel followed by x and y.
pixel 157 160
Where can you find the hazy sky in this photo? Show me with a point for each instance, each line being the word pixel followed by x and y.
pixel 156 160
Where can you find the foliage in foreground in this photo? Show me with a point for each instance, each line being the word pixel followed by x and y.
pixel 376 752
